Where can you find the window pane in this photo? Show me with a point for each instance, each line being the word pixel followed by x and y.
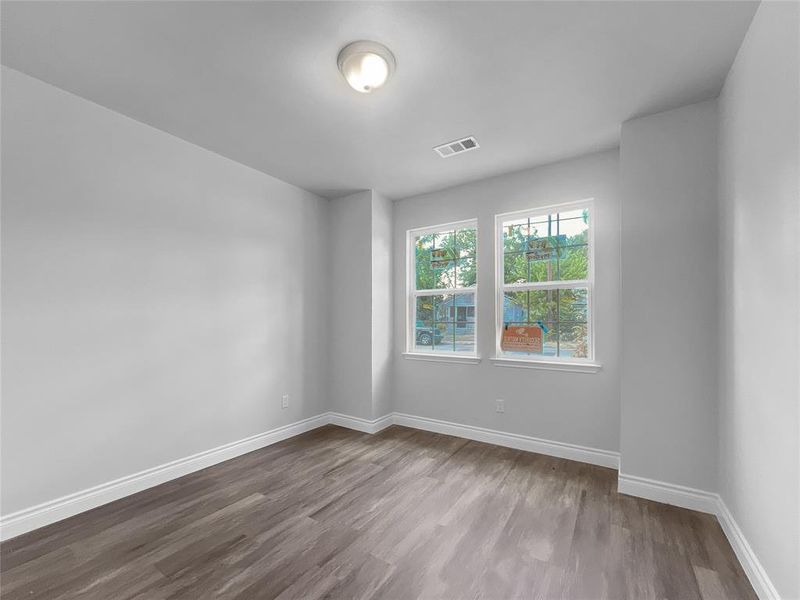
pixel 423 248
pixel 563 313
pixel 428 332
pixel 572 305
pixel 445 308
pixel 443 339
pixel 425 307
pixel 550 346
pixel 530 307
pixel 545 269
pixel 443 265
pixel 546 248
pixel 573 214
pixel 423 336
pixel 445 277
pixel 467 242
pixel 574 262
pixel 573 339
pixel 464 337
pixel 573 231
pixel 466 273
pixel 441 323
pixel 515 307
pixel 444 239
pixel 543 305
pixel 446 259
pixel 541 248
pixel 515 236
pixel 515 267
pixel 544 229
pixel 444 251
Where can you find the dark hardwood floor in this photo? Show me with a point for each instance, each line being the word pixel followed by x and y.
pixel 401 514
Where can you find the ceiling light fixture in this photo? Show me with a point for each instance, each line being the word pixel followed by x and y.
pixel 366 65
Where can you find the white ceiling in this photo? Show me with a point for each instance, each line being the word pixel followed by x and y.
pixel 257 81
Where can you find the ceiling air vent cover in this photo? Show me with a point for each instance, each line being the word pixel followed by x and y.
pixel 457 147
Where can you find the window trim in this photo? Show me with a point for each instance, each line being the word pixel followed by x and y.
pixel 412 292
pixel 535 361
pixel 446 357
pixel 572 366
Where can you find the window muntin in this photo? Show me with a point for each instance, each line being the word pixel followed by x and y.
pixel 443 289
pixel 545 276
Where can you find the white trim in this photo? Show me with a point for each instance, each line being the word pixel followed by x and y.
pixel 465 224
pixel 442 357
pixel 442 291
pixel 707 502
pixel 550 208
pixel 359 424
pixel 753 568
pixel 550 365
pixel 594 456
pixel 58 509
pixel 49 512
pixel 667 493
pixel 46 513
pixel 560 284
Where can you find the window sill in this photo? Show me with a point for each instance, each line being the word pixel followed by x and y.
pixel 449 358
pixel 550 365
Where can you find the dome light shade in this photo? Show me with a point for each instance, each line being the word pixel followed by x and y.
pixel 366 65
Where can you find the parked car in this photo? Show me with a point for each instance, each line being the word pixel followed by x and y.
pixel 427 336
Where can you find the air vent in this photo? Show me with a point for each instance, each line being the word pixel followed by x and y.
pixel 457 147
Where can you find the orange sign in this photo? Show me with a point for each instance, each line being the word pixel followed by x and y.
pixel 522 338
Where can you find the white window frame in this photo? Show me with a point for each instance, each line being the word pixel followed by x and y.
pixel 412 293
pixel 583 365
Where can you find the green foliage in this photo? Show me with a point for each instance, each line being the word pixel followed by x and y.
pixel 458 260
pixel 448 260
pixel 566 240
pixel 562 311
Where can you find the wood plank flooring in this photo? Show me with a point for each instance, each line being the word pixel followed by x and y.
pixel 401 514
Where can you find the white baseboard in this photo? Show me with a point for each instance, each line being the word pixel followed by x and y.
pixel 603 458
pixel 758 577
pixel 667 493
pixel 360 424
pixel 707 502
pixel 49 512
pixel 34 517
pixel 46 513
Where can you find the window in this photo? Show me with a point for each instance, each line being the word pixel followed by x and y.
pixel 545 284
pixel 442 289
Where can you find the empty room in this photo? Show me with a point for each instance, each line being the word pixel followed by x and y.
pixel 400 300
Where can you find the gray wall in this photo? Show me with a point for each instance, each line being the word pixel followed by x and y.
pixel 668 178
pixel 382 300
pixel 760 205
pixel 360 305
pixel 349 301
pixel 158 299
pixel 573 408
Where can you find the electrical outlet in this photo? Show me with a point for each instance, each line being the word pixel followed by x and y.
pixel 285 401
pixel 500 406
